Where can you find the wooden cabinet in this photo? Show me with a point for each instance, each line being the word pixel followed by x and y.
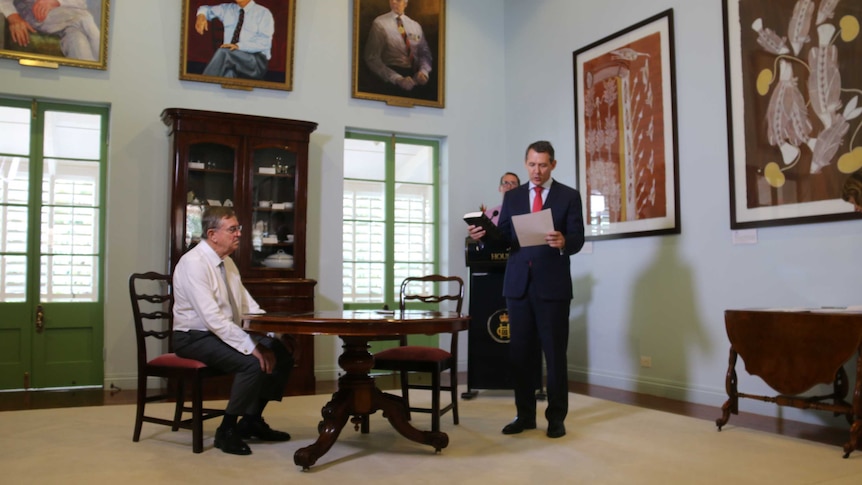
pixel 260 166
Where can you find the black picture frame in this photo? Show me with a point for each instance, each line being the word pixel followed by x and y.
pixel 791 144
pixel 626 130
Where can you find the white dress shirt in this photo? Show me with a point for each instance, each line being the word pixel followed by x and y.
pixel 258 25
pixel 545 188
pixel 202 302
pixel 385 47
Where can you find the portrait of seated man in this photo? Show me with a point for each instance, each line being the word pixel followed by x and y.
pixel 246 48
pixel 48 26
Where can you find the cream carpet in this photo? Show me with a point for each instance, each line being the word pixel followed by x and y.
pixel 607 443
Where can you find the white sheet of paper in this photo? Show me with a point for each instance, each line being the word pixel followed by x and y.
pixel 531 228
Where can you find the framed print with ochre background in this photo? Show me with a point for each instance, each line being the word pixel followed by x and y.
pixel 259 55
pixel 399 51
pixel 794 83
pixel 625 128
pixel 50 35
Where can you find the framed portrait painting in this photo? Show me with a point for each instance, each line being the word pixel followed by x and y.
pixel 237 44
pixel 45 34
pixel 794 116
pixel 625 127
pixel 399 51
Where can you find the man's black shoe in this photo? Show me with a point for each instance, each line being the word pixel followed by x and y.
pixel 556 430
pixel 228 440
pixel 257 428
pixel 518 426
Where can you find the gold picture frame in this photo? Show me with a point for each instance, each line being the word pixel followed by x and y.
pixel 46 42
pixel 199 49
pixel 424 34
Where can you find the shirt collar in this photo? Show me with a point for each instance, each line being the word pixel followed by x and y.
pixel 210 254
pixel 546 185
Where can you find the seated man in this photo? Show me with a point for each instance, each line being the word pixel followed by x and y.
pixel 70 20
pixel 247 43
pixel 209 301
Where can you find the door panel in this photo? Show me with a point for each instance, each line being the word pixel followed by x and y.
pixel 15 335
pixel 51 200
pixel 67 352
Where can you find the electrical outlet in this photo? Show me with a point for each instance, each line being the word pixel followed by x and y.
pixel 646 361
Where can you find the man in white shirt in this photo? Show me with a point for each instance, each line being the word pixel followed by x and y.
pixel 209 301
pixel 69 19
pixel 396 50
pixel 247 44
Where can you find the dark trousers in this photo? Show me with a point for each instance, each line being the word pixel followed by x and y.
pixel 237 64
pixel 252 387
pixel 539 326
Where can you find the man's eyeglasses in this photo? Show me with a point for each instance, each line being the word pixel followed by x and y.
pixel 233 229
pixel 509 183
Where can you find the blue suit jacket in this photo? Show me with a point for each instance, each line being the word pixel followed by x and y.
pixel 550 269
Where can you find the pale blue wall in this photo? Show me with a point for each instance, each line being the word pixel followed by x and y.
pixel 665 296
pixel 509 82
pixel 142 80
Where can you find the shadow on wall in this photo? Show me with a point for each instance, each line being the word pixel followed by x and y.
pixel 578 346
pixel 664 324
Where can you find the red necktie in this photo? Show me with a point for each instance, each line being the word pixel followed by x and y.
pixel 537 200
pixel 404 36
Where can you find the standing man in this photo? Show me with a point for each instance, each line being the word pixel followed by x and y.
pixel 507 182
pixel 69 19
pixel 538 289
pixel 209 301
pixel 247 47
pixel 396 50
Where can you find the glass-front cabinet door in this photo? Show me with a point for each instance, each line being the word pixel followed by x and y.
pixel 273 193
pixel 208 175
pixel 210 182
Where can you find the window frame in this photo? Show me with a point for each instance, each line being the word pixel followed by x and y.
pixel 38 108
pixel 390 297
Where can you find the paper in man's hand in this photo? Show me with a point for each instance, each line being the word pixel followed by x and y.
pixel 531 228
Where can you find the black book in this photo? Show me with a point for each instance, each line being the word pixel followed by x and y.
pixel 492 233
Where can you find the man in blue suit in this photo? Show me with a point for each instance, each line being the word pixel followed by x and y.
pixel 538 289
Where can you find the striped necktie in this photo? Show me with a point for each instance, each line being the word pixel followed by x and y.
pixel 406 39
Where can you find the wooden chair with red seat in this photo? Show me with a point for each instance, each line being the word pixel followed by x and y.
pixel 152 307
pixel 431 289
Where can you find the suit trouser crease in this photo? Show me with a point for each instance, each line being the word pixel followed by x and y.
pixel 539 326
pixel 251 385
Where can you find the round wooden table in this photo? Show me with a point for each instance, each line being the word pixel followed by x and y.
pixel 357 393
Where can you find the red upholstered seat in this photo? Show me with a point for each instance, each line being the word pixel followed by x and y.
pixel 172 360
pixel 404 359
pixel 152 307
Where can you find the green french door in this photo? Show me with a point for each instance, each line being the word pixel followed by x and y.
pixel 52 164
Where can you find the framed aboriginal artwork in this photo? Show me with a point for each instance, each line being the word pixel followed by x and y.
pixel 794 83
pixel 625 127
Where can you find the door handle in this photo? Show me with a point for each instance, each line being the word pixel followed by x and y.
pixel 40 319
